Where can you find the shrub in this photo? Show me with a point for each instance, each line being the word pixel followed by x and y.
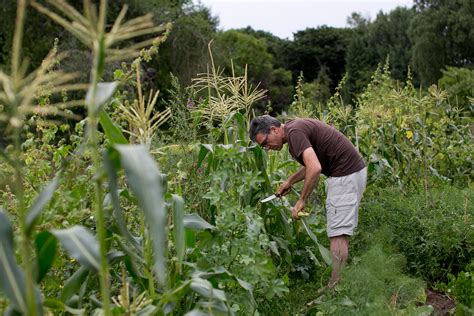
pixel 432 231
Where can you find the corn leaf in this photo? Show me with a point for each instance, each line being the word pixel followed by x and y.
pixel 81 245
pixel 178 228
pixel 12 278
pixel 114 198
pixel 113 133
pixel 205 148
pixel 145 181
pixel 43 198
pixel 105 90
pixel 325 253
pixel 195 222
pixel 46 247
pixel 74 283
pixel 205 288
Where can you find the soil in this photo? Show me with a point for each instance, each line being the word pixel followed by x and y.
pixel 441 303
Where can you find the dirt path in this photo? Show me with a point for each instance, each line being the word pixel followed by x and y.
pixel 440 302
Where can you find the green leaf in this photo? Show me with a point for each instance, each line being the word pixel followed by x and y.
pixel 43 198
pixel 237 116
pixel 114 197
pixel 274 248
pixel 178 228
pixel 118 74
pixel 12 278
pixel 113 133
pixel 195 222
pixel 81 245
pixel 59 306
pixel 145 181
pixel 104 91
pixel 325 253
pixel 205 288
pixel 205 148
pixel 46 247
pixel 114 256
pixel 313 257
pixel 260 160
pixel 224 273
pixel 73 284
pixel 196 312
pixel 190 237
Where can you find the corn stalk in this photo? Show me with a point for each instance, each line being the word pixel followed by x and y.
pixel 90 29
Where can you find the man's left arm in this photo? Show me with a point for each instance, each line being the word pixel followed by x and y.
pixel 311 179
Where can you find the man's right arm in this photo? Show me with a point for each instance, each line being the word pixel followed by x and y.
pixel 294 178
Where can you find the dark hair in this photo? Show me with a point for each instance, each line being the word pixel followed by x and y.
pixel 262 124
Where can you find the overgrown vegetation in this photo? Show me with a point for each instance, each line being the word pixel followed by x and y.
pixel 115 214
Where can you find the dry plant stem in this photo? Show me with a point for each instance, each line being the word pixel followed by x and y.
pixel 21 209
pixel 98 66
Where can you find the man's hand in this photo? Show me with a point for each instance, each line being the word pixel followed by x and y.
pixel 284 188
pixel 299 207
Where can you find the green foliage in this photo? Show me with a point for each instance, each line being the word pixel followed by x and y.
pixel 388 37
pixel 461 286
pixel 243 50
pixel 459 84
pixel 375 285
pixel 185 53
pixel 310 98
pixel 410 136
pixel 314 49
pixel 217 249
pixel 435 238
pixel 441 36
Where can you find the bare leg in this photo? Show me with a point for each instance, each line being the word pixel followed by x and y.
pixel 340 252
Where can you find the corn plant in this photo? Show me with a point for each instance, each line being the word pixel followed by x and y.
pixel 225 95
pixel 238 177
pixel 143 122
pixel 408 135
pixel 90 29
pixel 147 261
pixel 17 99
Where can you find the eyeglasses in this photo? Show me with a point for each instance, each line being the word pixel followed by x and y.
pixel 264 144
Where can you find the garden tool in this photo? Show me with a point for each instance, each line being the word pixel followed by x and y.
pixel 269 198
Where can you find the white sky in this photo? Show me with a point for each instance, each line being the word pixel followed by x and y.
pixel 285 17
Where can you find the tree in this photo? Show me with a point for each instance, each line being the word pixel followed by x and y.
pixel 313 49
pixel 243 49
pixel 441 33
pixel 275 45
pixel 185 52
pixel 388 37
pixel 361 60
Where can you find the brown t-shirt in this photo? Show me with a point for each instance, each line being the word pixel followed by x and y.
pixel 336 153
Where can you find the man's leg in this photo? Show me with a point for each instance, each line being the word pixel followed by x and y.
pixel 340 252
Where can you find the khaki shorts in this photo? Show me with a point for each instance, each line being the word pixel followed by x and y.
pixel 342 202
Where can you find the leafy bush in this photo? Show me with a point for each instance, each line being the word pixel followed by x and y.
pixel 459 83
pixel 432 231
pixel 461 286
